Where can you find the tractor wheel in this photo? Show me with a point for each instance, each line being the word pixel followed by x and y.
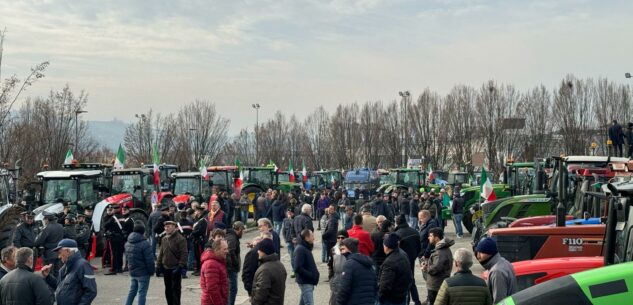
pixel 467 220
pixel 139 216
pixel 251 192
pixel 8 222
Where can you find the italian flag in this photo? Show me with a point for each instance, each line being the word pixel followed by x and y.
pixel 119 161
pixel 291 172
pixel 486 191
pixel 69 157
pixel 431 175
pixel 203 170
pixel 304 173
pixel 156 170
pixel 239 181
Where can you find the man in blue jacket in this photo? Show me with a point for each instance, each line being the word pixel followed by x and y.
pixel 358 281
pixel 307 274
pixel 76 283
pixel 140 261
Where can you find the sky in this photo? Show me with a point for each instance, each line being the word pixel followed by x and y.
pixel 295 55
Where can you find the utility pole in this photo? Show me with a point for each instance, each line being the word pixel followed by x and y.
pixel 405 128
pixel 256 107
pixel 77 113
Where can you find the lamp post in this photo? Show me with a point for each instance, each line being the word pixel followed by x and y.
pixel 405 150
pixel 256 107
pixel 77 113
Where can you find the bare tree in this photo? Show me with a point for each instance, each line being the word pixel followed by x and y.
pixel 317 128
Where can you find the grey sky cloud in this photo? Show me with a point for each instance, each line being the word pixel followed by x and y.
pixel 295 55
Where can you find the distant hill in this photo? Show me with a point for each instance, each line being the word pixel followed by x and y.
pixel 108 133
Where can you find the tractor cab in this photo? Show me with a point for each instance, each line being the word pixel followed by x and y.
pixel 165 171
pixel 190 186
pixel 135 185
pixel 80 187
pixel 460 179
pixel 223 178
pixel 361 181
pixel 401 179
pixel 328 179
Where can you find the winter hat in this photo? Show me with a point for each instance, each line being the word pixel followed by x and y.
pixel 342 233
pixel 400 220
pixel 488 246
pixel 351 244
pixel 391 241
pixel 139 228
pixel 266 246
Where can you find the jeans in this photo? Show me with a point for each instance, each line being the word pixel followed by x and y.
pixel 244 214
pixel 291 252
pixel 154 241
pixel 413 291
pixel 232 287
pixel 277 226
pixel 138 285
pixel 307 294
pixel 457 220
pixel 324 253
pixel 413 222
pixel 191 256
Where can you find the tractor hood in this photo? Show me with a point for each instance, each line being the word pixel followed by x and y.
pixel 98 214
pixel 183 198
pixel 119 199
pixel 52 207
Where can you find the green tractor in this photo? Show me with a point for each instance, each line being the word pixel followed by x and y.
pixel 602 286
pixel 260 179
pixel 401 179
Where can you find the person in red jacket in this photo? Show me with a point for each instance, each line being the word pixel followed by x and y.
pixel 213 276
pixel 365 245
pixel 216 215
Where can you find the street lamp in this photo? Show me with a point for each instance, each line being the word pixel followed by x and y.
pixel 256 107
pixel 77 113
pixel 627 75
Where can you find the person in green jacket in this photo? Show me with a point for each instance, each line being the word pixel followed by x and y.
pixel 463 288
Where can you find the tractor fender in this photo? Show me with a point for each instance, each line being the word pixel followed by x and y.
pixel 98 214
pixel 163 195
pixel 9 218
pixel 137 210
pixel 184 198
pixel 122 200
pixel 55 208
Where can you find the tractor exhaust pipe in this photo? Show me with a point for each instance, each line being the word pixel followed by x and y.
pixel 560 207
pixel 612 219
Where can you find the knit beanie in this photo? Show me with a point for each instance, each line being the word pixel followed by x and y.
pixel 266 246
pixel 351 244
pixel 139 228
pixel 488 246
pixel 342 233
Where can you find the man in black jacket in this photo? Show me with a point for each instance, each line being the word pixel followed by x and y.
pixel 358 280
pixel 115 235
pixel 307 274
pixel 22 286
pixel 199 235
pixel 233 258
pixel 52 233
pixel 617 138
pixel 328 235
pixel 409 243
pixel 25 233
pixel 83 236
pixel 395 276
pixel 251 262
pixel 303 221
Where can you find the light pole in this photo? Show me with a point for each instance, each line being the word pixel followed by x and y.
pixel 256 107
pixel 405 150
pixel 77 113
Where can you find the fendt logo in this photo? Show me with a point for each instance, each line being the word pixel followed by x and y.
pixel 573 241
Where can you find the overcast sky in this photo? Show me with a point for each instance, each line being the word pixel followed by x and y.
pixel 293 55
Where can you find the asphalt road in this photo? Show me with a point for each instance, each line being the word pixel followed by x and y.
pixel 113 289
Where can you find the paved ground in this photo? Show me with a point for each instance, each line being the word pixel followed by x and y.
pixel 114 289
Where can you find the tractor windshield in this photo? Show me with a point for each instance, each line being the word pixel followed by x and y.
pixel 220 178
pixel 187 185
pixel 262 177
pixel 284 177
pixel 125 183
pixel 408 179
pixel 60 190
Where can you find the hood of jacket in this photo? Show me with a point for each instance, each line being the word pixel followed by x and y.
pixel 269 258
pixel 209 255
pixel 444 243
pixel 361 259
pixel 135 238
pixel 491 261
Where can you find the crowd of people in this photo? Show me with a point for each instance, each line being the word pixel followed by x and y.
pixel 373 249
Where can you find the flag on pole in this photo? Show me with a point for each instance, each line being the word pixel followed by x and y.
pixel 291 172
pixel 431 175
pixel 69 157
pixel 239 181
pixel 276 168
pixel 304 173
pixel 156 169
pixel 203 170
pixel 486 191
pixel 119 161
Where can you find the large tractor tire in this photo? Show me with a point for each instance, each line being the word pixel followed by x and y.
pixel 139 216
pixel 467 220
pixel 9 219
pixel 251 192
